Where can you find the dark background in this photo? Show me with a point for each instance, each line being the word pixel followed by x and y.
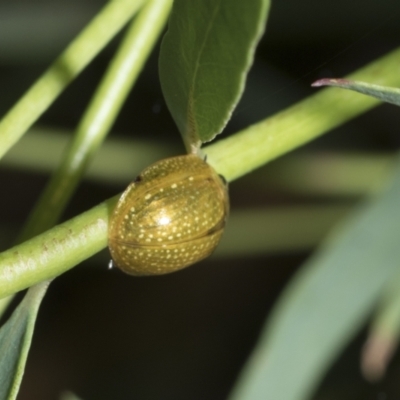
pixel 104 335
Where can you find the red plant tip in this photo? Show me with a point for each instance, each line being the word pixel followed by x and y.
pixel 376 354
pixel 330 82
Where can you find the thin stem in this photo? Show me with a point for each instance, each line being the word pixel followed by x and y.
pixel 100 115
pixel 77 55
pixel 326 173
pixel 114 163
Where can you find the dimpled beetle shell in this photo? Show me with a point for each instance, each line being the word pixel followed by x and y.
pixel 172 216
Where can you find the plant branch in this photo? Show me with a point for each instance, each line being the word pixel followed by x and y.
pixel 55 251
pixel 100 115
pixel 239 154
pixel 64 246
pixel 77 55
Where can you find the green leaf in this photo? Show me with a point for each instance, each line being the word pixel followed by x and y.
pixel 326 303
pixel 204 58
pixel 384 93
pixel 15 340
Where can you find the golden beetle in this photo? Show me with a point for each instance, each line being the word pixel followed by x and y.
pixel 172 216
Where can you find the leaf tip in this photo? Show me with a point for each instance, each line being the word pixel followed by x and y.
pixel 376 354
pixel 330 82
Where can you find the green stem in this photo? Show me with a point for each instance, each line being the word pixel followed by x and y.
pixel 100 115
pixel 274 230
pixel 327 173
pixel 61 248
pixel 249 149
pixel 64 246
pixel 96 123
pixel 114 163
pixel 55 251
pixel 77 55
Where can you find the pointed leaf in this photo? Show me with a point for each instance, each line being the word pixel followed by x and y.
pixel 326 303
pixel 384 93
pixel 204 58
pixel 15 340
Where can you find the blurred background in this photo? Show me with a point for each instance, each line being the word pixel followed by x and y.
pixel 102 334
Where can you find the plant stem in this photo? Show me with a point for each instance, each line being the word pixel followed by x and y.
pixel 64 246
pixel 77 55
pixel 113 164
pixel 55 251
pixel 321 173
pixel 100 115
pixel 239 154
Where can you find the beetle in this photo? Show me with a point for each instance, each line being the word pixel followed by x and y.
pixel 173 215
